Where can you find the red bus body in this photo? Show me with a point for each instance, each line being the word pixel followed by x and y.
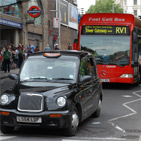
pixel 113 73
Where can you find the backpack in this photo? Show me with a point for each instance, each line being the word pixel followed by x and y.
pixel 6 55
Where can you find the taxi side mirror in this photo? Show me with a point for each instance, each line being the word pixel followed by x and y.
pixel 13 76
pixel 85 78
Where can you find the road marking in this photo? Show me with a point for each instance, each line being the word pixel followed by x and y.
pixel 139 138
pixel 132 110
pixel 125 105
pixel 4 137
pixel 96 123
pixel 94 138
pixel 127 96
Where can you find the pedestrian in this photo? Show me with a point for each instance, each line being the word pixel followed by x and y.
pixel 7 60
pixel 21 56
pixel 47 47
pixel 17 57
pixel 56 47
pixel 69 47
pixel 13 59
pixel 29 51
pixel 32 47
pixel 0 58
pixel 36 49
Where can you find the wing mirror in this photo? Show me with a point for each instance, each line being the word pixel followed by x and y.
pixel 135 37
pixel 85 78
pixel 13 76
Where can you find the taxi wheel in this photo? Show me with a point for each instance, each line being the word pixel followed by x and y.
pixel 6 129
pixel 96 114
pixel 71 131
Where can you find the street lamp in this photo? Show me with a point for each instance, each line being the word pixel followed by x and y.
pixel 59 24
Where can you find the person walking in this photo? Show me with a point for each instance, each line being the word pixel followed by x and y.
pixel 69 47
pixel 56 47
pixel 0 58
pixel 7 60
pixel 47 47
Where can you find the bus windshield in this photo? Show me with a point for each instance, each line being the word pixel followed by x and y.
pixel 109 49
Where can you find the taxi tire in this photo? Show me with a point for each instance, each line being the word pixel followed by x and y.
pixel 71 131
pixel 96 114
pixel 6 129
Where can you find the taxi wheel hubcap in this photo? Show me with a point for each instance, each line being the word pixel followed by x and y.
pixel 75 120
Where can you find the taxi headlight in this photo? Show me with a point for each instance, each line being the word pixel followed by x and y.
pixel 4 99
pixel 126 76
pixel 61 101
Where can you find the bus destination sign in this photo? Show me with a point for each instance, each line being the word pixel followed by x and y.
pixel 105 30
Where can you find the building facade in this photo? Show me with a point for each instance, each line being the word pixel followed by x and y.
pixel 131 6
pixel 17 26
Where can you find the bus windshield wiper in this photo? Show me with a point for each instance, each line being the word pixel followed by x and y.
pixel 62 79
pixel 112 63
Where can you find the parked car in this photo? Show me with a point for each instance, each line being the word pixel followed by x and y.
pixel 54 89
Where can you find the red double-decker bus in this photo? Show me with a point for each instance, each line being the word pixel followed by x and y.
pixel 115 40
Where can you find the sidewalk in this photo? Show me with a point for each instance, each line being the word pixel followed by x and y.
pixel 4 75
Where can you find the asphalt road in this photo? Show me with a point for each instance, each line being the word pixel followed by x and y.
pixel 120 119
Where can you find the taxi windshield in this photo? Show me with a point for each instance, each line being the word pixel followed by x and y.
pixel 63 68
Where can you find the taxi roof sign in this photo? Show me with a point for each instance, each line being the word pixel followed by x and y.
pixel 52 54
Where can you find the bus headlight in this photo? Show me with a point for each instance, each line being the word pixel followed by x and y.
pixel 126 76
pixel 61 101
pixel 4 99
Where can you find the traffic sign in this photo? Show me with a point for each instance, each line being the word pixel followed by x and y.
pixel 34 11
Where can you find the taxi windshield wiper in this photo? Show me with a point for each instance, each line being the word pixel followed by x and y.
pixel 36 78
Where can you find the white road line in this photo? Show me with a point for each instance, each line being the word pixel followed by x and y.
pixel 94 138
pixel 125 105
pixel 139 138
pixel 2 138
pixel 127 96
pixel 132 110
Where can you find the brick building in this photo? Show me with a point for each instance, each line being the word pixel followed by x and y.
pixel 16 26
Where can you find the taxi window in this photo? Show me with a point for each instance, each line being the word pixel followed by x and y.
pixel 87 67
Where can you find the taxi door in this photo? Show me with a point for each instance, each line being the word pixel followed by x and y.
pixel 87 89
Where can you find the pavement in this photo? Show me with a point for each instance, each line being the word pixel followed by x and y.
pixel 4 75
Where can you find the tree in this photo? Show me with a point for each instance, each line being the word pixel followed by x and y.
pixel 105 6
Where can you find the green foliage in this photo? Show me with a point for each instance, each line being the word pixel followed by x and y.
pixel 105 6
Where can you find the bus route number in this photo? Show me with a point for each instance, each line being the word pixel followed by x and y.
pixel 121 30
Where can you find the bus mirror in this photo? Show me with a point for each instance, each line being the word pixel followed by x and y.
pixel 75 44
pixel 135 37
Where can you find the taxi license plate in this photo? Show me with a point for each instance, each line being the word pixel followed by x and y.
pixel 29 119
pixel 105 80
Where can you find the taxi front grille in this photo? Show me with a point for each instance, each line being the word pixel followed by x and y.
pixel 30 103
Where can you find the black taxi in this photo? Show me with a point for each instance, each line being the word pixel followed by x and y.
pixel 54 89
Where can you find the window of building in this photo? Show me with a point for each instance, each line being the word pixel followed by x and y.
pixel 10 7
pixel 135 13
pixel 135 2
pixel 35 3
pixel 125 2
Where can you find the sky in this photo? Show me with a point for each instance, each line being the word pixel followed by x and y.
pixel 85 4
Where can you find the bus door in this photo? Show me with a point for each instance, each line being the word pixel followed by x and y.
pixel 135 56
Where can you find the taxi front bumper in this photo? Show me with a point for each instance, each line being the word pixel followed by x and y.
pixel 61 120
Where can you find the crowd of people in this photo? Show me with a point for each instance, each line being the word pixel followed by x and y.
pixel 11 57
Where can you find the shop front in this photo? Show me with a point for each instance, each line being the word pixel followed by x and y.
pixel 10 22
